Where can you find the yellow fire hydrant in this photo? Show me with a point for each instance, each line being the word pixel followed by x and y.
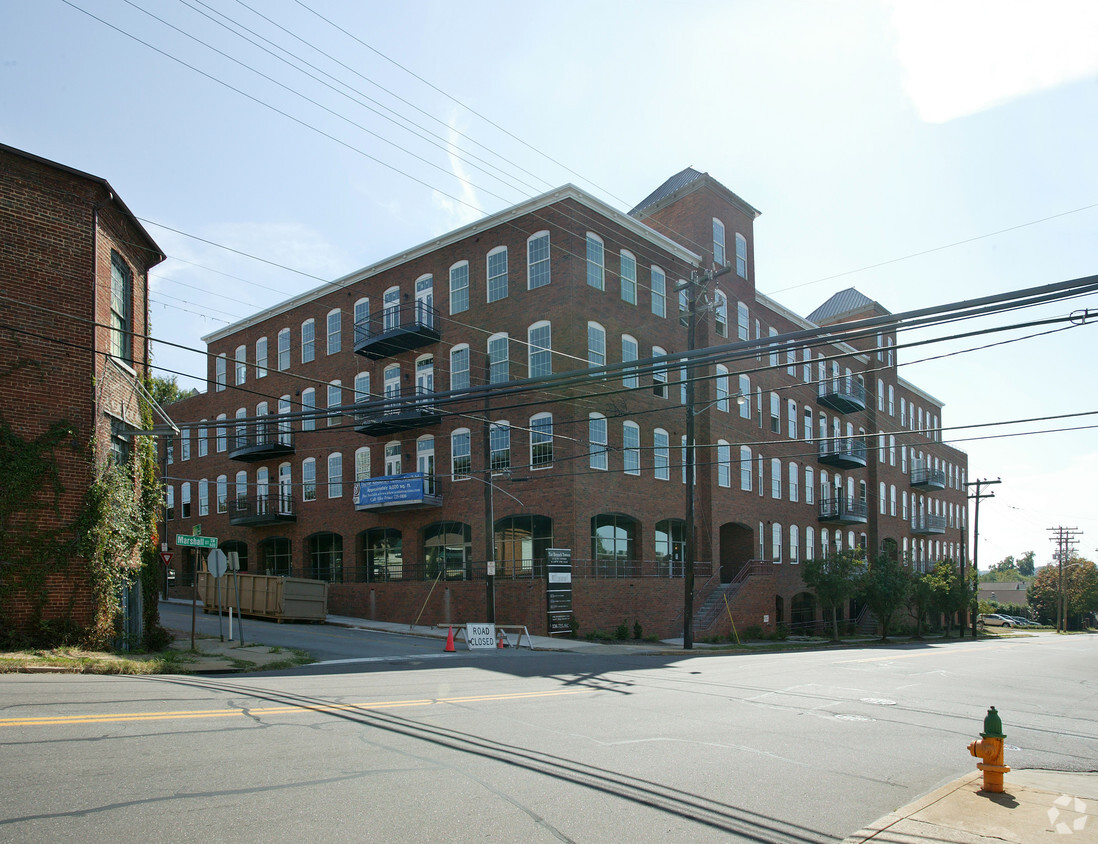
pixel 990 749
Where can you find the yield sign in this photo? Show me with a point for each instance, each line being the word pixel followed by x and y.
pixel 166 557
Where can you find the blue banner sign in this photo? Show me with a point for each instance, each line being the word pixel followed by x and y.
pixel 387 490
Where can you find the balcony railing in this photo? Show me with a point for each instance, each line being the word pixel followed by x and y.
pixel 844 453
pixel 926 525
pixel 844 511
pixel 393 493
pixel 844 394
pixel 402 411
pixel 397 329
pixel 926 477
pixel 261 510
pixel 261 440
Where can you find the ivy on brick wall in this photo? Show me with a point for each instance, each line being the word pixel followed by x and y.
pixel 115 533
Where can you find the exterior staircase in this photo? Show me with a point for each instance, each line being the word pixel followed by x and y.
pixel 714 604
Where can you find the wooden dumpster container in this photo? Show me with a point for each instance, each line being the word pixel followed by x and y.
pixel 268 596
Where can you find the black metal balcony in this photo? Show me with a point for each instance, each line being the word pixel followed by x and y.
pixel 849 453
pixel 403 412
pixel 261 510
pixel 397 329
pixel 844 511
pixel 844 394
pixel 262 440
pixel 393 493
pixel 928 525
pixel 923 476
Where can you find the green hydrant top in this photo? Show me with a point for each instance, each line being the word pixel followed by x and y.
pixel 993 725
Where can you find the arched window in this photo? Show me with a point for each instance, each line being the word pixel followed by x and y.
pixel 326 557
pixel 392 458
pixel 447 549
pixel 203 497
pixel 308 479
pixel 719 256
pixel 335 475
pixel 539 338
pixel 382 555
pixel 809 485
pixel 335 331
pixel 661 454
pixel 741 255
pixel 597 438
pixel 497 274
pixel 241 365
pixel 285 489
pixel 308 409
pixel 308 340
pixel 809 543
pixel 460 454
pixel 499 446
pixel 630 441
pixel 390 309
pixel 541 440
pixel 722 388
pixel 776 542
pixel 362 320
pixel 724 464
pixel 362 463
pixel 596 271
pixel 794 481
pixel 628 276
pixel 629 352
pixel 459 367
pixel 659 374
pixel 240 497
pixel 720 314
pixel 261 357
pixel 235 546
pixel 613 538
pixel 744 397
pixel 537 261
pixel 521 543
pixel 794 545
pixel 499 369
pixel 658 284
pixel 745 468
pixel 275 557
pixel 596 345
pixel 459 287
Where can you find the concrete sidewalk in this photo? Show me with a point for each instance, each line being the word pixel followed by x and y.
pixel 1036 806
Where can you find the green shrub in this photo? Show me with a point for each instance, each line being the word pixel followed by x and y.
pixel 622 632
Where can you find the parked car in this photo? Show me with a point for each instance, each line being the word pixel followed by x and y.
pixel 996 620
pixel 1020 621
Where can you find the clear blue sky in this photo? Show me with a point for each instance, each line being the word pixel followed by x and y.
pixel 868 133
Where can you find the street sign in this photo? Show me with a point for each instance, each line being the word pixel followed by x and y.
pixel 195 541
pixel 196 530
pixel 216 562
pixel 480 635
pixel 558 590
pixel 166 557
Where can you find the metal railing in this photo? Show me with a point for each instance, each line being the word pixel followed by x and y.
pixel 843 508
pixel 849 448
pixel 845 387
pixel 406 316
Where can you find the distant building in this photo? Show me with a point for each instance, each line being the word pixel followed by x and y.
pixel 74 265
pixel 348 434
pixel 1005 591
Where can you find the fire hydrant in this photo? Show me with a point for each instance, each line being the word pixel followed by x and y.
pixel 990 749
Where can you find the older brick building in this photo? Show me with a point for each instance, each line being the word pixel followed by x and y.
pixel 524 376
pixel 74 267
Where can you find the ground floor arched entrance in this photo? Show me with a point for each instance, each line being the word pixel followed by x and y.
pixel 737 546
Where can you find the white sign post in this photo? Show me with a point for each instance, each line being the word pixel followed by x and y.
pixel 216 562
pixel 480 635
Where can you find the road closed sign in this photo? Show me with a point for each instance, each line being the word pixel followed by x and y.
pixel 480 635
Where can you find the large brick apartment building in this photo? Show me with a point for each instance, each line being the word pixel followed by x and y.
pixel 348 434
pixel 74 265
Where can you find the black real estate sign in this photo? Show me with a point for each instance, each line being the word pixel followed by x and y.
pixel 558 590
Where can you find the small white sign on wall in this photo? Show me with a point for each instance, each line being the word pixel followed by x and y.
pixel 766 619
pixel 480 635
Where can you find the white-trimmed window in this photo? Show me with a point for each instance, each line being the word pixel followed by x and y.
pixel 791 418
pixel 745 397
pixel 596 435
pixel 220 375
pixel 308 479
pixel 775 478
pixel 629 353
pixel 203 442
pixel 776 542
pixel 661 454
pixel 659 292
pixel 722 388
pixel 891 400
pixel 390 309
pixel 240 438
pixel 283 350
pixel 537 261
pixel 335 475
pixel 881 499
pixel 630 440
pixel 121 309
pixel 718 243
pixel 393 458
pixel 362 463
pixel 203 497
pixel 720 313
pixel 746 469
pixel 596 262
pixel 362 320
pixel 539 339
pixel 807 377
pixel 628 277
pixel 459 367
pixel 810 543
pixel 880 395
pixel 308 341
pixel 794 545
pixel 241 365
pixel 184 444
pixel 459 287
pixel 794 481
pixel 807 423
pixel 809 485
pixel 892 500
pixel 724 464
pixel 596 345
pixel 775 351
pixel 460 454
pixel 261 357
pixel 221 436
pixel 743 321
pixel 362 389
pixel 497 274
pixel 775 414
pixel 222 493
pixel 285 488
pixel 741 255
pixel 335 400
pixel 499 446
pixel 541 440
pixel 659 374
pixel 335 331
pixel 499 366
pixel 308 409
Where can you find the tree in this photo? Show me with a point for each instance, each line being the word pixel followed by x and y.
pixel 1080 589
pixel 166 390
pixel 919 600
pixel 884 586
pixel 834 579
pixel 948 592
pixel 1026 564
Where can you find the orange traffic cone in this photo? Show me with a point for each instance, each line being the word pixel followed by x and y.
pixel 500 641
pixel 449 642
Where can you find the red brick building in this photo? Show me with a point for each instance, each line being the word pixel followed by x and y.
pixel 74 265
pixel 348 434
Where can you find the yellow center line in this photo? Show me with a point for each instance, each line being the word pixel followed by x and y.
pixel 54 720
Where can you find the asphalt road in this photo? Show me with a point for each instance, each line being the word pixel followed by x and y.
pixel 532 747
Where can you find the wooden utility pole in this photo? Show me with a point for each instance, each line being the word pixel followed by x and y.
pixel 978 497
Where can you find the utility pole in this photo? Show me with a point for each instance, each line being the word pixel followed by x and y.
pixel 1065 540
pixel 696 285
pixel 978 497
pixel 489 506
